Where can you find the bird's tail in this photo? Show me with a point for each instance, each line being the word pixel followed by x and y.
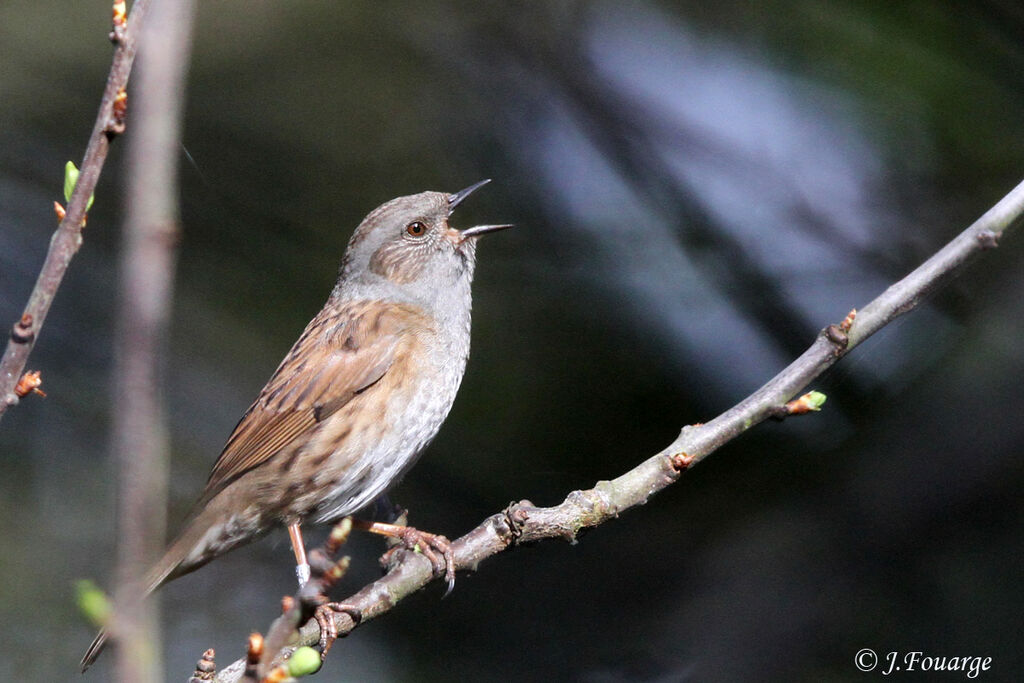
pixel 183 556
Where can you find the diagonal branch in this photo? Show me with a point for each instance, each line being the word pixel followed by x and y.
pixel 523 522
pixel 68 237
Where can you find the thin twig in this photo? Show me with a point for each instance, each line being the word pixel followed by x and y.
pixel 148 256
pixel 524 523
pixel 66 241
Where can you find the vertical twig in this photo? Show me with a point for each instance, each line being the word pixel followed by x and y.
pixel 68 238
pixel 140 434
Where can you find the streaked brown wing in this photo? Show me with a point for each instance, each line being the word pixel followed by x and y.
pixel 339 354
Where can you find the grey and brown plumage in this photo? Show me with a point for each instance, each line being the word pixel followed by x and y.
pixel 356 399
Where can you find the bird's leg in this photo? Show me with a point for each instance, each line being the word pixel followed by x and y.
pixel 301 563
pixel 327 572
pixel 435 548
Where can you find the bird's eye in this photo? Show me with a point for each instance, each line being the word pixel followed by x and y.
pixel 416 229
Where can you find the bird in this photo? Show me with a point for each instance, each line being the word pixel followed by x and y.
pixel 361 393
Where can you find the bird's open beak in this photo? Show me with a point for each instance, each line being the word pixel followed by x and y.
pixel 457 237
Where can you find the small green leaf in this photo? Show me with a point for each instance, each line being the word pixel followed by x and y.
pixel 816 399
pixel 303 662
pixel 70 180
pixel 92 602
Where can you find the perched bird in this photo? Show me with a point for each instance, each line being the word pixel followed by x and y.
pixel 358 397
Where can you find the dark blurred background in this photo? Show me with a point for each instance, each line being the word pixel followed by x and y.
pixel 697 191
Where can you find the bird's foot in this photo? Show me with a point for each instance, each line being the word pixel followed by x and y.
pixel 324 615
pixel 434 547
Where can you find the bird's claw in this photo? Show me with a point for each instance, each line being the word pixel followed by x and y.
pixel 324 615
pixel 434 547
